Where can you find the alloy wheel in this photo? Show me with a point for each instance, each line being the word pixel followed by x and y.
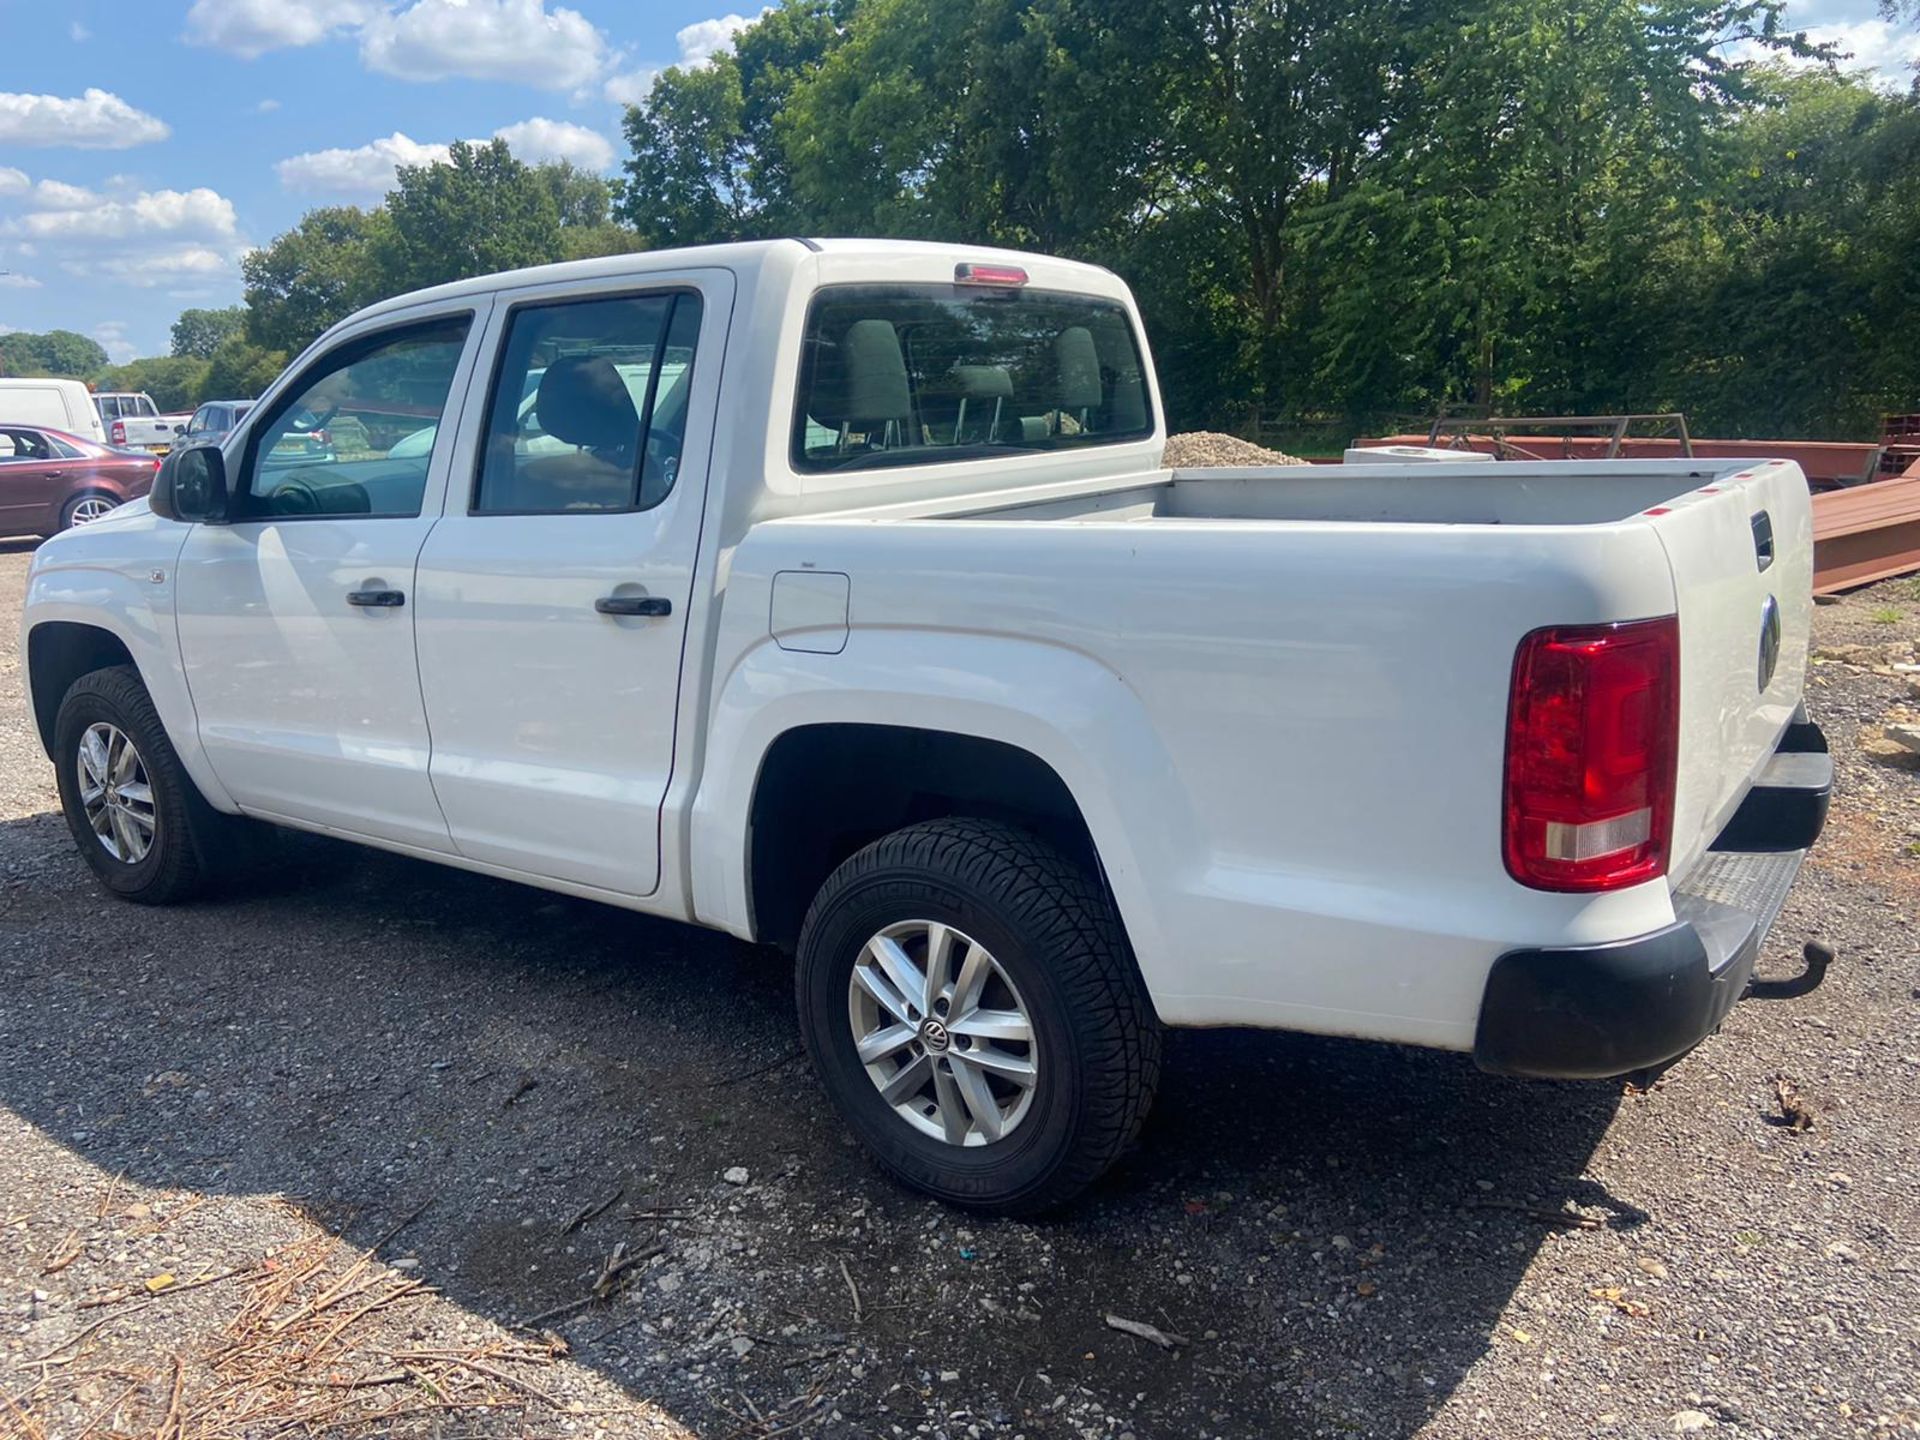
pixel 116 794
pixel 943 1033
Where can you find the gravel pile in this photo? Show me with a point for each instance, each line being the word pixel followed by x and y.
pixel 1199 449
pixel 1349 1240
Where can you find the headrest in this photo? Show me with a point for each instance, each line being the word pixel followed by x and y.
pixel 583 401
pixel 983 382
pixel 1077 369
pixel 862 379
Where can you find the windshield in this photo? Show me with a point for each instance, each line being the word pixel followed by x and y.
pixel 918 374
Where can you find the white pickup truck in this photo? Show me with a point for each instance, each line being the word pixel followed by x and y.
pixel 134 422
pixel 834 594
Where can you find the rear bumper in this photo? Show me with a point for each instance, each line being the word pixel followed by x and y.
pixel 1591 1012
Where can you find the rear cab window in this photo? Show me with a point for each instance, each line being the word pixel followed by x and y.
pixel 589 406
pixel 920 374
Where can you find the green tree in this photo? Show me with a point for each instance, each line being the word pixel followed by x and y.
pixel 480 212
pixel 198 333
pixel 177 383
pixel 709 158
pixel 55 352
pixel 311 276
pixel 581 199
pixel 241 370
pixel 687 177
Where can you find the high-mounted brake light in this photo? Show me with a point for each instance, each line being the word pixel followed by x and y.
pixel 1592 735
pixel 969 273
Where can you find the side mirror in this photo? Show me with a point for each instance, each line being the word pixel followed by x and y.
pixel 191 486
pixel 179 429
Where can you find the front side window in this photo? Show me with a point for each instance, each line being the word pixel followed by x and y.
pixel 589 406
pixel 356 435
pixel 917 374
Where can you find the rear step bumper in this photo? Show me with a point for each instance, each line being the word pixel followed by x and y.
pixel 1592 1012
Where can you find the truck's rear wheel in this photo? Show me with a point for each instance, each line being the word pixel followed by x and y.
pixel 968 999
pixel 136 816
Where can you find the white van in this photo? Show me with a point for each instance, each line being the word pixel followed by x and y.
pixel 57 404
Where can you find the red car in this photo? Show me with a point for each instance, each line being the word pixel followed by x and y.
pixel 50 480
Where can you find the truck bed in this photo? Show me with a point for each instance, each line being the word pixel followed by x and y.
pixel 1548 493
pixel 1311 667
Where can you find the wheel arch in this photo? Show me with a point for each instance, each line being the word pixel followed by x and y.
pixel 59 652
pixel 1093 774
pixel 826 790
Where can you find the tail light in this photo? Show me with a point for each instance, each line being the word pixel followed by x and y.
pixel 1592 730
pixel 119 432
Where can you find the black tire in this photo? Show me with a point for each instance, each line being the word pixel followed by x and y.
pixel 74 503
pixel 177 861
pixel 1054 933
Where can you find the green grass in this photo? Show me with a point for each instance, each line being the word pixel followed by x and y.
pixel 1886 615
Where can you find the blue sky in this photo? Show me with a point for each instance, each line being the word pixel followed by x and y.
pixel 145 145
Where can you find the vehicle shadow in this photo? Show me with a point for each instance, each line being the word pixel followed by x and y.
pixel 1334 1228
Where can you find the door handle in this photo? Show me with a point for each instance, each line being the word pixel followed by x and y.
pixel 633 605
pixel 377 599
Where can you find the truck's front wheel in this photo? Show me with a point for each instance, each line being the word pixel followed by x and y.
pixel 136 816
pixel 968 999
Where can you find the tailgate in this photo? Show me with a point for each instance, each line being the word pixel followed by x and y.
pixel 1741 550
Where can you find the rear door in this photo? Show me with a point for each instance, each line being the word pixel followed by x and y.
pixel 1741 549
pixel 295 617
pixel 33 481
pixel 553 594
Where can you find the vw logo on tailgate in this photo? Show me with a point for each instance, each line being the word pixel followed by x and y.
pixel 1769 641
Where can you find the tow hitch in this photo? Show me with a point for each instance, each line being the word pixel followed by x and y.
pixel 1819 954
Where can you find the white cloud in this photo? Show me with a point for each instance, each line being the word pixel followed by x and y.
pixel 698 43
pixel 1873 44
pixel 632 87
pixel 704 39
pixel 98 120
pixel 267 106
pixel 199 265
pixel 13 182
pixel 1884 52
pixel 363 170
pixel 368 170
pixel 250 28
pixel 112 335
pixel 199 212
pixel 79 33
pixel 519 41
pixel 58 195
pixel 541 139
pixel 14 280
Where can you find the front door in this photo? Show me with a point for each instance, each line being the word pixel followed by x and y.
pixel 296 619
pixel 553 594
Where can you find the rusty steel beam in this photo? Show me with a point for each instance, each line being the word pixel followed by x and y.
pixel 1867 533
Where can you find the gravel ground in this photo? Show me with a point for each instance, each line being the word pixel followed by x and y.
pixel 247 1094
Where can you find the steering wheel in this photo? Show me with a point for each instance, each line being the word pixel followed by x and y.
pixel 293 496
pixel 315 422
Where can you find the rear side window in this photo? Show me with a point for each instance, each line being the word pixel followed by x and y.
pixel 918 374
pixel 589 406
